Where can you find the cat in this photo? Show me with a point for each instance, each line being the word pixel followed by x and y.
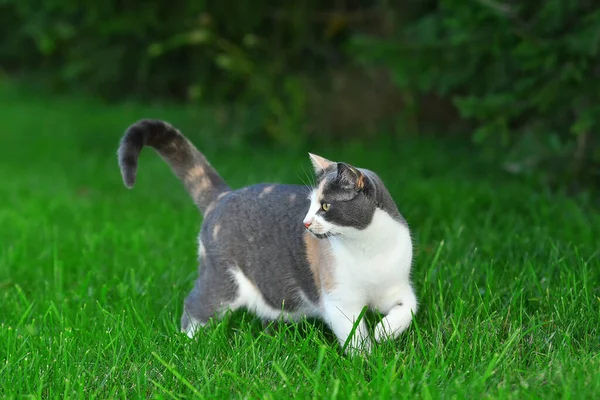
pixel 291 251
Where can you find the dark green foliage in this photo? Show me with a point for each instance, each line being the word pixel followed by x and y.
pixel 522 76
pixel 527 74
pixel 113 49
pixel 247 52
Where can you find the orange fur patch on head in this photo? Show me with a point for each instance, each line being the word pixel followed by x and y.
pixel 360 181
pixel 320 190
pixel 360 178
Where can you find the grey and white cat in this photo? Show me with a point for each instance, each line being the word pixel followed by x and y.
pixel 281 250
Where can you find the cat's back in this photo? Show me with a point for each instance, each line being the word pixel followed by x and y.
pixel 265 215
pixel 261 204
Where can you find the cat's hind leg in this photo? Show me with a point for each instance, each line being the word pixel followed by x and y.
pixel 213 292
pixel 194 314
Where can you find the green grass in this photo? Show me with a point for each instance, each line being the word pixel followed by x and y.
pixel 92 276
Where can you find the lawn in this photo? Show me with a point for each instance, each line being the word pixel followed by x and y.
pixel 92 275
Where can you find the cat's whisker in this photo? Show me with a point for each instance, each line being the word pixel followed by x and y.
pixel 311 183
pixel 308 186
pixel 310 176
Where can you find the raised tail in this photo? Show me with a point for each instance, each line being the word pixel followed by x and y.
pixel 200 179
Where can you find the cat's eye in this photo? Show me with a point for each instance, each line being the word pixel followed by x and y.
pixel 325 206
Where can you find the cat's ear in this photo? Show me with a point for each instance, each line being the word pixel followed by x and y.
pixel 350 175
pixel 319 163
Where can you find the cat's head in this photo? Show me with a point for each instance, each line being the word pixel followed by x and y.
pixel 343 201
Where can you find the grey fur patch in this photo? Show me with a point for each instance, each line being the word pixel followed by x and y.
pixel 261 232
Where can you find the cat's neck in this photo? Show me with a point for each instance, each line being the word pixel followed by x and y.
pixel 384 233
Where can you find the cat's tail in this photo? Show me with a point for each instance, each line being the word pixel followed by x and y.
pixel 200 179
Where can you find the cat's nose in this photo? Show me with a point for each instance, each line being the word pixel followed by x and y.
pixel 307 224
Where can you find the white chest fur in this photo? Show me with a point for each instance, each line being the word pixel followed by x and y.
pixel 374 262
pixel 371 268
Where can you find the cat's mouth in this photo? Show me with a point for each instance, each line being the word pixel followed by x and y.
pixel 323 235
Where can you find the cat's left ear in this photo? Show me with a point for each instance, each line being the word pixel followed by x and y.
pixel 319 163
pixel 347 173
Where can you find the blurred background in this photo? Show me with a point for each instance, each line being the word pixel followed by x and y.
pixel 517 82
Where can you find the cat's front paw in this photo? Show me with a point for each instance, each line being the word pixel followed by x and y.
pixel 384 331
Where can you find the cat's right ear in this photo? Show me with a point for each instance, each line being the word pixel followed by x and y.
pixel 319 163
pixel 350 175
